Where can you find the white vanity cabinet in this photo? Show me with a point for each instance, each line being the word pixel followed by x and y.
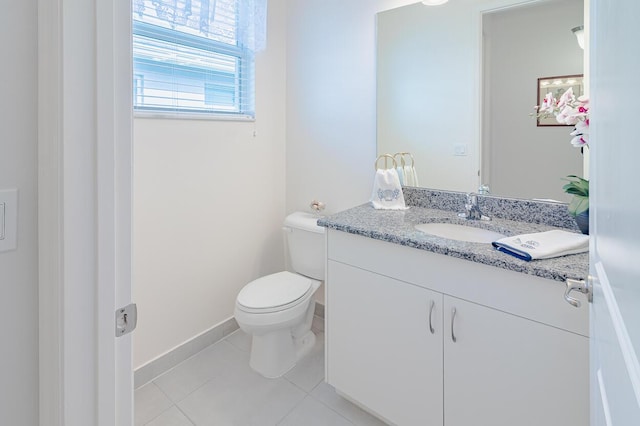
pixel 377 343
pixel 520 355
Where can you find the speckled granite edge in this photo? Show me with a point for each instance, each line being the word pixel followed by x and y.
pixel 398 227
pixel 540 212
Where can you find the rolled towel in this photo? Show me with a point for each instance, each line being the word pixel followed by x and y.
pixel 543 245
pixel 387 192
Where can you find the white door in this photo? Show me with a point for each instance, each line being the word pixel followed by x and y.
pixel 615 213
pixel 84 185
pixel 114 208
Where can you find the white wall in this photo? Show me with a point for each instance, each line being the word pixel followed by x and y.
pixel 428 90
pixel 540 156
pixel 331 101
pixel 18 169
pixel 209 200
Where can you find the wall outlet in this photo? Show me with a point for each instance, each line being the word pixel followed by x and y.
pixel 460 149
pixel 8 219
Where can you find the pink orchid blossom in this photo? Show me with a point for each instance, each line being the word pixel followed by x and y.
pixel 568 110
pixel 580 134
pixel 548 104
pixel 567 98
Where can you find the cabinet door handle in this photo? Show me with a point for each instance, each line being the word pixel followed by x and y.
pixel 582 286
pixel 453 318
pixel 431 329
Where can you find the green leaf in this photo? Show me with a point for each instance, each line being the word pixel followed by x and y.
pixel 576 186
pixel 578 205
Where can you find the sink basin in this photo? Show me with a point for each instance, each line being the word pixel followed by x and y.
pixel 457 232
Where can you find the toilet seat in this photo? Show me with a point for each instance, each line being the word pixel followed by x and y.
pixel 275 292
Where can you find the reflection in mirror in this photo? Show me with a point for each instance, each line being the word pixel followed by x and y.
pixel 456 85
pixel 556 87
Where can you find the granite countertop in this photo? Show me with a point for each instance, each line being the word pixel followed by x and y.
pixel 397 226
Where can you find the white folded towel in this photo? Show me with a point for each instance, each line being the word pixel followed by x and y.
pixel 543 245
pixel 387 192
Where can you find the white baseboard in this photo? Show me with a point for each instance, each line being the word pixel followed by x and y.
pixel 167 361
pixel 146 373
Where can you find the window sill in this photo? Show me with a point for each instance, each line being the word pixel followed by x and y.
pixel 192 116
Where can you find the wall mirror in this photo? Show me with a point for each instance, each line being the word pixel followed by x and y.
pixel 456 86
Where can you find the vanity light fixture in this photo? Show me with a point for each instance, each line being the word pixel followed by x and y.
pixel 434 2
pixel 579 33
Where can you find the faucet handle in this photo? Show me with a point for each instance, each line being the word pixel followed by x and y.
pixel 472 199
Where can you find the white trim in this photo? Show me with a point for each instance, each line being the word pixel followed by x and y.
pixel 603 397
pixel 624 340
pixel 50 228
pixel 119 29
pixel 193 116
pixel 106 228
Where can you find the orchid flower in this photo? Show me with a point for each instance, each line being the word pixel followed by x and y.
pixel 568 110
pixel 548 104
pixel 567 98
pixel 580 134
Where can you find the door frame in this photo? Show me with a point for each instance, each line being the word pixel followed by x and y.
pixel 84 211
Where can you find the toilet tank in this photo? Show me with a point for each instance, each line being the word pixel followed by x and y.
pixel 305 241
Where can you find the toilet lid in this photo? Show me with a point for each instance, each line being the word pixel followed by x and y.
pixel 275 290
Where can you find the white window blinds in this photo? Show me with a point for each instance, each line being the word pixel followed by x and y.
pixel 196 56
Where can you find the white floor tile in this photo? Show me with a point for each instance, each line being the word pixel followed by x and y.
pixel 150 402
pixel 172 417
pixel 240 340
pixel 241 397
pixel 327 395
pixel 313 413
pixel 309 371
pixel 189 375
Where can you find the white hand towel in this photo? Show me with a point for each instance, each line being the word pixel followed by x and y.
pixel 387 192
pixel 543 245
pixel 410 176
pixel 401 175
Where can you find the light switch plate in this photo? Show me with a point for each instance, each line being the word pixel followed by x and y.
pixel 460 149
pixel 8 219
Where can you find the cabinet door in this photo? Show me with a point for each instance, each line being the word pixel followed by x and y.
pixel 505 370
pixel 381 351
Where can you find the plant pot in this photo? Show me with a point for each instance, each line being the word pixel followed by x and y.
pixel 582 220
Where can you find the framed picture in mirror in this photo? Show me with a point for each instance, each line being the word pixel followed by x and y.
pixel 557 86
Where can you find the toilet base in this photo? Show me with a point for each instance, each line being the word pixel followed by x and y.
pixel 273 354
pixel 305 344
pixel 276 352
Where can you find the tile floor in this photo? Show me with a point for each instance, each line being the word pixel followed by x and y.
pixel 217 387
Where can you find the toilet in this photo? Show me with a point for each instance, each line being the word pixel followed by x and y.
pixel 277 309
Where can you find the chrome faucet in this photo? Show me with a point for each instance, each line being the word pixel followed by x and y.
pixel 471 208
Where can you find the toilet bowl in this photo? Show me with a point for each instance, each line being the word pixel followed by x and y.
pixel 277 309
pixel 281 332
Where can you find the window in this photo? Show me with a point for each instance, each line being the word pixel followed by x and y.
pixel 195 56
